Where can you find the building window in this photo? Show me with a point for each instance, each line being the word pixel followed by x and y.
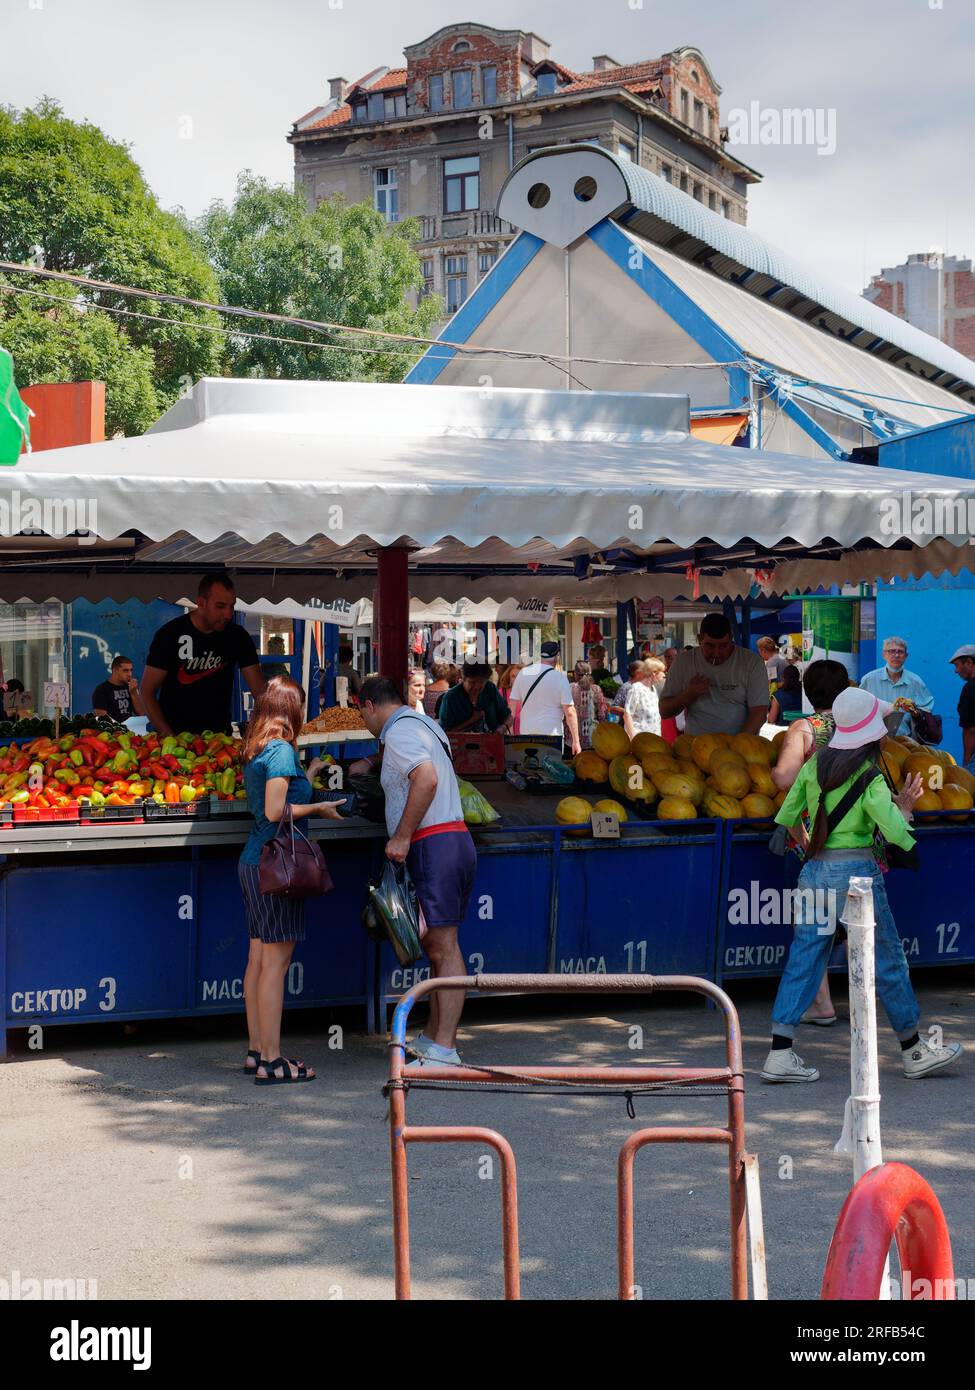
pixel 489 86
pixel 387 194
pixel 684 107
pixel 624 151
pixel 455 278
pixel 461 46
pixel 461 184
pixel 395 106
pixel 713 201
pixel 359 111
pixel 545 84
pixel 699 192
pixel 427 278
pixel 376 106
pixel 485 260
pixel 666 172
pixel 684 184
pixel 700 117
pixel 436 92
pixel 461 80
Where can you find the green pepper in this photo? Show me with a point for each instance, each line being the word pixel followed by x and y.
pixel 97 798
pixel 66 743
pixel 76 757
pixel 187 793
pixel 124 741
pixel 169 746
pixel 68 776
pixel 18 797
pixel 122 760
pixel 226 782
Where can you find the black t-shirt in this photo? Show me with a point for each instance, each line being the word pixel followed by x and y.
pixel 199 666
pixel 115 700
pixel 966 705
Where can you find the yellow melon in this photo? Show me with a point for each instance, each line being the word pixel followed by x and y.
pixel 924 766
pixel 942 756
pixel 752 748
pixel 956 799
pixel 675 808
pixel 893 769
pixel 610 741
pixel 690 769
pixel 761 779
pixel 732 780
pixel 896 751
pixel 930 801
pixel 657 762
pixel 628 779
pixel 590 767
pixel 675 784
pixel 758 807
pixel 645 744
pixel 704 746
pixel 683 745
pixel 959 777
pixel 612 808
pixel 573 810
pixel 778 800
pixel 724 755
pixel 720 807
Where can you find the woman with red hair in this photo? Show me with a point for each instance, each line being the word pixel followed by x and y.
pixel 273 779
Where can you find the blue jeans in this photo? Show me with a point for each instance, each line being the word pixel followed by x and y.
pixel 811 945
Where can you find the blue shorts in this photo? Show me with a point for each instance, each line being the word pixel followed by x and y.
pixel 442 867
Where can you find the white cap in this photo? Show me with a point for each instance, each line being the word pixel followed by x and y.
pixel 967 650
pixel 859 718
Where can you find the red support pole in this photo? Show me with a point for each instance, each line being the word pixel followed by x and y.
pixel 393 613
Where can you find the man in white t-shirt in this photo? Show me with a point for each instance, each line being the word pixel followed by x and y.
pixel 425 823
pixel 541 699
pixel 722 687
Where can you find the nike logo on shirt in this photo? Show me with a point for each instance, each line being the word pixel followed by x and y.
pixel 187 678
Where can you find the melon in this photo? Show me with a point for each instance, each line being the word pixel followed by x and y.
pixel 732 780
pixel 590 767
pixel 778 800
pixel 704 746
pixel 675 784
pixel 761 779
pixel 925 766
pixel 610 741
pixel 612 808
pixel 930 801
pixel 942 756
pixel 896 751
pixel 683 746
pixel 756 807
pixel 628 779
pixel 752 748
pixel 959 777
pixel 645 744
pixel 721 807
pixel 893 769
pixel 573 810
pixel 724 755
pixel 691 769
pixel 675 808
pixel 956 799
pixel 657 762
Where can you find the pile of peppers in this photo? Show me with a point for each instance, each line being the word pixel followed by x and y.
pixel 92 769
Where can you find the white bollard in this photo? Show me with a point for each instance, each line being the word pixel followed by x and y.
pixel 861 1120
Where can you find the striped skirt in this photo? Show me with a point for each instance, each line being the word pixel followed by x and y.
pixel 270 917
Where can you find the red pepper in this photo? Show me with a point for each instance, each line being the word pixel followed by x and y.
pixel 160 772
pixel 199 747
pixel 171 761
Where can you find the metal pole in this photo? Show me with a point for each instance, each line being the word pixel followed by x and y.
pixel 861 1122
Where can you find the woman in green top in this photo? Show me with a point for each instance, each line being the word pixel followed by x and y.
pixel 835 855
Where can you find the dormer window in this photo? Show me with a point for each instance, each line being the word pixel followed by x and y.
pixel 462 87
pixel 545 84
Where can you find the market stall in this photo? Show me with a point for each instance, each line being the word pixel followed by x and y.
pixel 345 491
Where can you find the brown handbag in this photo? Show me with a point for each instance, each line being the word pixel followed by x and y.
pixel 292 866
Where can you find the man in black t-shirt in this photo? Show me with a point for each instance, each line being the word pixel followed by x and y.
pixel 189 677
pixel 118 697
pixel 964 664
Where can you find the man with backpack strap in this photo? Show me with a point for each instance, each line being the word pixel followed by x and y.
pixel 541 699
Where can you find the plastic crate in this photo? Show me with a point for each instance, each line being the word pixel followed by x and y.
pixel 44 815
pixel 182 810
pixel 232 809
pixel 6 817
pixel 97 815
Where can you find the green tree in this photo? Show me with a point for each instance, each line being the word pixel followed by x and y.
pixel 336 263
pixel 73 200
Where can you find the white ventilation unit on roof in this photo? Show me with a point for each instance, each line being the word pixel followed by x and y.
pixel 558 196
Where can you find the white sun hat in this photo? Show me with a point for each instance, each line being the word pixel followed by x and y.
pixel 859 718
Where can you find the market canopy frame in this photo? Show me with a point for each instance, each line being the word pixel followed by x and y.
pixel 496 493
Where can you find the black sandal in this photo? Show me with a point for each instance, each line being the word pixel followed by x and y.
pixel 286 1063
pixel 254 1052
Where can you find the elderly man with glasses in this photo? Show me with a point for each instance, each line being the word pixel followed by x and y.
pixel 893 681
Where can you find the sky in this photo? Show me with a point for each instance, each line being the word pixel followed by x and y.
pixel 202 89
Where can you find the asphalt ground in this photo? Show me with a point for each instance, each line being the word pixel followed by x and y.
pixel 145 1160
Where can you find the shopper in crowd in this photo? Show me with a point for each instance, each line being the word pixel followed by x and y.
pixel 416 688
pixel 118 697
pixel 476 705
pixel 17 702
pixel 617 702
pixel 668 727
pixel 775 662
pixel 506 678
pixel 188 682
pixel 836 853
pixel 589 700
pixel 425 824
pixel 641 714
pixel 347 669
pixel 964 664
pixel 438 686
pixel 273 779
pixel 787 699
pixel 893 681
pixel 822 682
pixel 541 700
pixel 598 659
pixel 720 687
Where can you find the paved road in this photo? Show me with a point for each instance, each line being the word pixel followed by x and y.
pixel 150 1164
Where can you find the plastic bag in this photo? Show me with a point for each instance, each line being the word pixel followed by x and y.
pixel 392 912
pixel 477 809
pixel 557 769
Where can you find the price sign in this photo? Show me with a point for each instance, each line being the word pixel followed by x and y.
pixel 605 825
pixel 56 694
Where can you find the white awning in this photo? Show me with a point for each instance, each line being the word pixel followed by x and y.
pixel 499 494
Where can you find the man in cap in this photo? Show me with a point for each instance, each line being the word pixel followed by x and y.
pixel 964 664
pixel 541 699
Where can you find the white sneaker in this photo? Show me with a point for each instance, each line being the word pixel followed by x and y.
pixel 923 1059
pixel 419 1045
pixel 435 1056
pixel 784 1064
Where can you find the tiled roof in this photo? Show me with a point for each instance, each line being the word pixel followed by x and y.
pixel 396 77
pixel 341 116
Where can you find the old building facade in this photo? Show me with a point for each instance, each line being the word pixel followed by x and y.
pixel 435 139
pixel 933 291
